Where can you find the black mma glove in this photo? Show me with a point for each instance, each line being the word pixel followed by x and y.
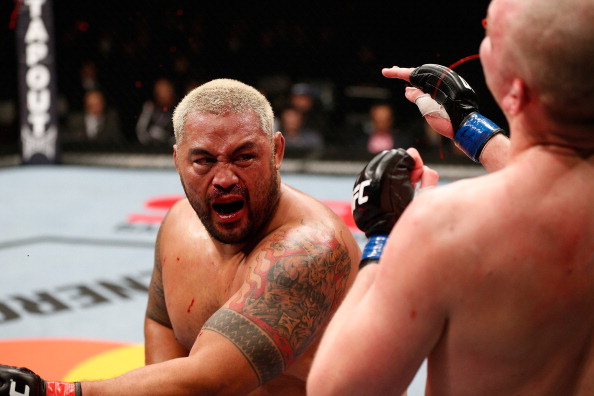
pixel 381 193
pixel 15 381
pixel 472 130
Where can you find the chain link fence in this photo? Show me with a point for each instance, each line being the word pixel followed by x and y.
pixel 136 59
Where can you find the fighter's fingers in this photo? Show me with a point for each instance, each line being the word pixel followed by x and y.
pixel 412 93
pixel 415 174
pixel 398 72
pixel 422 173
pixel 429 177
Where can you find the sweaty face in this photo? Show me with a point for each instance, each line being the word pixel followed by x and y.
pixel 228 171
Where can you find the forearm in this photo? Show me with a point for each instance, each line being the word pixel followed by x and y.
pixel 360 287
pixel 214 367
pixel 326 375
pixel 381 193
pixel 171 378
pixel 362 283
pixel 495 154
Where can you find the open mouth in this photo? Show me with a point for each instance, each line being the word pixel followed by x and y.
pixel 228 208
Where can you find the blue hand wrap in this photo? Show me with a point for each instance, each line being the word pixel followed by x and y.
pixel 374 247
pixel 474 133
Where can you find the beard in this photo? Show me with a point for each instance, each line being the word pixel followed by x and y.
pixel 260 209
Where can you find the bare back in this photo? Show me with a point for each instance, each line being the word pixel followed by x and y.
pixel 278 288
pixel 517 293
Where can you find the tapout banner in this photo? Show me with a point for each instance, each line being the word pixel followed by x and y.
pixel 37 82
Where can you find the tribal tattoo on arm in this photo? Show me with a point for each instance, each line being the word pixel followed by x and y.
pixel 297 283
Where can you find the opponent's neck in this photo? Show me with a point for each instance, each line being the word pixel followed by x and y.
pixel 563 140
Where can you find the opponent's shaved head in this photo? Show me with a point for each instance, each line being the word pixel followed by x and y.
pixel 223 96
pixel 550 43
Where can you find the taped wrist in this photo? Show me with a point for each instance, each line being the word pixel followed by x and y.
pixel 373 249
pixel 474 133
pixel 57 388
pixel 429 106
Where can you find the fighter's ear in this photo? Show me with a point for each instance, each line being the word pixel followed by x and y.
pixel 279 149
pixel 175 156
pixel 516 98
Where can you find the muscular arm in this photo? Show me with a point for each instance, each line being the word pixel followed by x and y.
pixel 295 282
pixel 388 324
pixel 160 343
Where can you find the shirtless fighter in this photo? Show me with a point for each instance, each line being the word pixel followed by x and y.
pixel 491 279
pixel 247 270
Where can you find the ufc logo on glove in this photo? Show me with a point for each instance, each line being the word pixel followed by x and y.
pixel 13 391
pixel 359 197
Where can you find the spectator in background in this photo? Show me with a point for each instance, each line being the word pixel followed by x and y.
pixel 306 99
pixel 75 88
pixel 89 77
pixel 97 122
pixel 299 138
pixel 155 125
pixel 382 132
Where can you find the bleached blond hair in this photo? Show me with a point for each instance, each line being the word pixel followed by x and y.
pixel 223 96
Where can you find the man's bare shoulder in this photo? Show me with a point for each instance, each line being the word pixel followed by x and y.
pixel 464 201
pixel 180 208
pixel 296 204
pixel 300 212
pixel 179 215
pixel 442 227
pixel 312 239
pixel 180 228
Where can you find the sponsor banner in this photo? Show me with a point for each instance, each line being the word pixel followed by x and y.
pixel 37 82
pixel 72 298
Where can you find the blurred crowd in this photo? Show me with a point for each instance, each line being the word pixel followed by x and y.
pixel 123 66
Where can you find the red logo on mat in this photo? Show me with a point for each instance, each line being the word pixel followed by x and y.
pixel 157 207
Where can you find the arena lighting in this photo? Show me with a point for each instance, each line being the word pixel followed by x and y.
pixel 37 82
